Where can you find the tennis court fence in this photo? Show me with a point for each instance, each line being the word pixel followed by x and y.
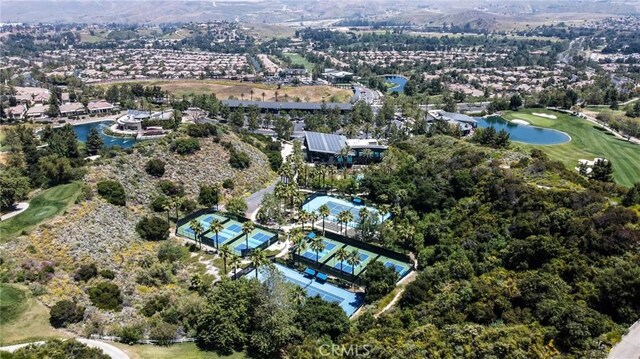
pixel 204 211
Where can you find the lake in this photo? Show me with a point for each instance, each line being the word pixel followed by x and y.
pixel 525 133
pixel 400 81
pixel 82 132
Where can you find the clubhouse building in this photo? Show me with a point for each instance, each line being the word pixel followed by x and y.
pixel 327 148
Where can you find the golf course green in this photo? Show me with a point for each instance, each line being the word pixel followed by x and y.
pixel 588 141
pixel 45 205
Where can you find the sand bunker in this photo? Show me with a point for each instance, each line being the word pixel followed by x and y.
pixel 520 122
pixel 553 117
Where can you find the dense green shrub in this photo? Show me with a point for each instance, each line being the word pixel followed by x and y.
pixel 155 167
pixel 170 188
pixel 65 312
pixel 86 272
pixel 57 349
pixel 171 253
pixel 106 295
pixel 163 333
pixel 112 192
pixel 202 130
pixel 153 228
pixel 228 184
pixel 130 334
pixel 158 203
pixel 319 318
pixel 155 305
pixel 209 195
pixel 185 146
pixel 107 274
pixel 239 160
pixel 379 281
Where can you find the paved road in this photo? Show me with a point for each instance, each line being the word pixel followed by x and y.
pixel 19 208
pixel 253 201
pixel 629 346
pixel 108 349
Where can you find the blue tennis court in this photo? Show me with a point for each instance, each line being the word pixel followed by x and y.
pixel 400 267
pixel 232 229
pixel 329 248
pixel 205 221
pixel 365 258
pixel 337 205
pixel 256 238
pixel 348 301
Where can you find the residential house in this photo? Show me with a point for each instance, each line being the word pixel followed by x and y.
pixel 16 112
pixel 37 112
pixel 100 106
pixel 72 109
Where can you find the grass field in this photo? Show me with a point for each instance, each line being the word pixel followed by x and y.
pixel 587 142
pixel 182 351
pixel 12 303
pixel 297 59
pixel 225 89
pixel 43 206
pixel 28 319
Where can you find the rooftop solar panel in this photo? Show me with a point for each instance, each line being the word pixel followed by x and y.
pixel 324 142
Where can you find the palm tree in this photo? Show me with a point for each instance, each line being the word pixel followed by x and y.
pixel 235 263
pixel 317 245
pixel 216 227
pixel 343 154
pixel 342 255
pixel 303 216
pixel 167 206
pixel 324 213
pixel 197 229
pixel 242 96
pixel 342 218
pixel 251 93
pixel 258 259
pixel 286 97
pixel 299 243
pixel 176 202
pixel 313 217
pixel 348 218
pixel 225 252
pixel 367 153
pixel 299 295
pixel 263 94
pixel 247 227
pixel 363 213
pixel 354 260
pixel 277 96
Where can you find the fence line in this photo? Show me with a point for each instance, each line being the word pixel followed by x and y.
pixel 113 338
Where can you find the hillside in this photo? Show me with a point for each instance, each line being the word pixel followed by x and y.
pixel 94 232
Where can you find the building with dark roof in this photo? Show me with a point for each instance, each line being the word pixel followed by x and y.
pixel 275 107
pixel 326 148
pixel 465 123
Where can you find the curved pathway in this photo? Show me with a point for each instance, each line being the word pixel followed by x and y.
pixel 19 208
pixel 108 349
pixel 629 345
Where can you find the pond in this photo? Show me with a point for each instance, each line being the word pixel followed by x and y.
pixel 525 133
pixel 400 81
pixel 82 131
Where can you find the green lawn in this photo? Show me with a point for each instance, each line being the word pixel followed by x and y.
pixel 297 59
pixel 182 351
pixel 45 205
pixel 587 142
pixel 22 317
pixel 12 303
